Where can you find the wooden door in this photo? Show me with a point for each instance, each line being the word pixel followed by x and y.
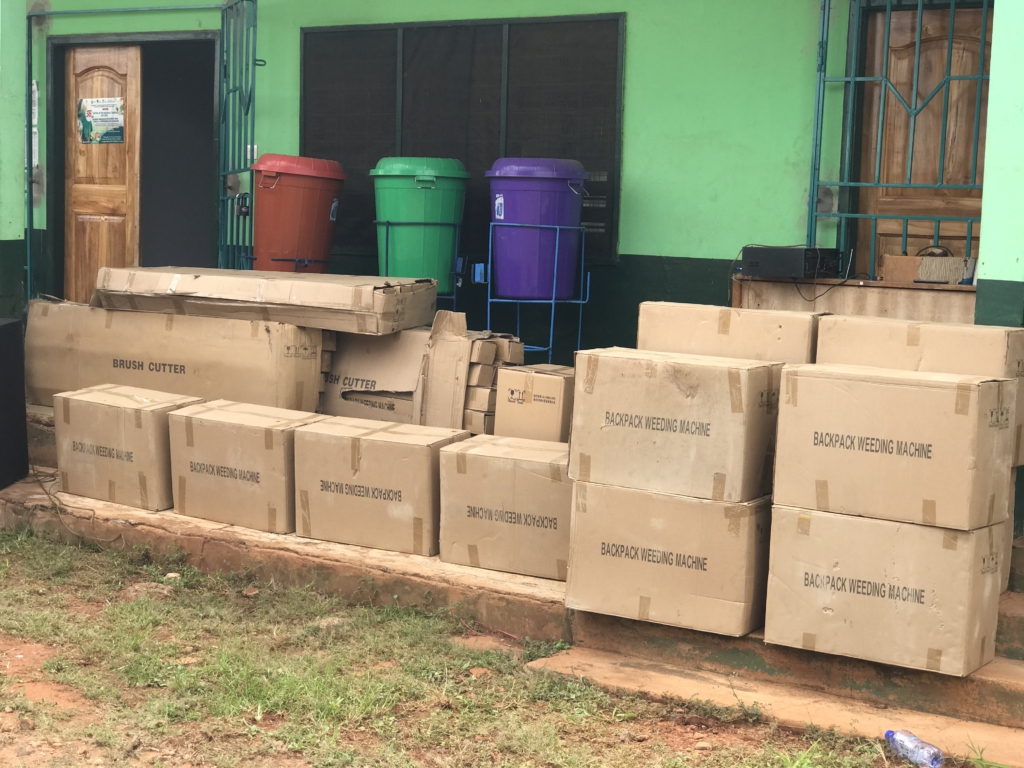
pixel 963 57
pixel 101 220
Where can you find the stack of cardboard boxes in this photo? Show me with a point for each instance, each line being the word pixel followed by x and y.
pixel 891 490
pixel 490 353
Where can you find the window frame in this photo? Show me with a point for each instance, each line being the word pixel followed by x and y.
pixel 616 167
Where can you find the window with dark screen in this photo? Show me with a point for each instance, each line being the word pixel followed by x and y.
pixel 475 91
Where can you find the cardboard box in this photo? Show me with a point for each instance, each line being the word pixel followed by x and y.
pixel 749 334
pixel 534 402
pixel 234 463
pixel 911 595
pixel 71 346
pixel 354 304
pixel 113 444
pixel 478 423
pixel 484 351
pixel 669 559
pixel 480 399
pixel 930 448
pixel 505 505
pixel 510 350
pixel 979 350
pixel 417 376
pixel 370 483
pixel 910 269
pixel 683 424
pixel 482 375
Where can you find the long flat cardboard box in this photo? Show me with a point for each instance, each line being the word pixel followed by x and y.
pixel 113 444
pixel 683 424
pixel 979 350
pixel 930 448
pixel 350 303
pixel 235 463
pixel 370 483
pixel 911 595
pixel 71 346
pixel 669 559
pixel 750 334
pixel 505 505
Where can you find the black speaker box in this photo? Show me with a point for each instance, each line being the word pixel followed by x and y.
pixel 13 430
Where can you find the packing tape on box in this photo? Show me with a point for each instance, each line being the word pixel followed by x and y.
pixel 108 320
pixel 555 469
pixel 913 335
pixel 66 408
pixel 178 304
pixel 1016 446
pixel 45 309
pixel 355 454
pixel 718 487
pixel 528 389
pixel 460 462
pixel 934 661
pixel 734 514
pixel 189 436
pixel 474 555
pixel 111 491
pixel 264 313
pixel 143 491
pixel 562 569
pixel 736 390
pixel 254 329
pixel 950 539
pixel 417 536
pixel 304 525
pixel 724 321
pixel 590 377
pixel 963 399
pixel 132 303
pixel 138 419
pixel 268 438
pixel 271 518
pixel 808 641
pixel 650 369
pixel 791 387
pixel 360 323
pixel 991 508
pixel 64 485
pixel 803 525
pixel 821 495
pixel 644 611
pixel 581 499
pixel 180 501
pixel 584 470
pixel 928 514
pixel 169 323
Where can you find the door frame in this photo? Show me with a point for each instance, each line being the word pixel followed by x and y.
pixel 56 46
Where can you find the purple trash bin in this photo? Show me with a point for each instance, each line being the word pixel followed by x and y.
pixel 532 190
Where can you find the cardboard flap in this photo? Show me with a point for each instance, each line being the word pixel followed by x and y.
pixel 380 363
pixel 447 371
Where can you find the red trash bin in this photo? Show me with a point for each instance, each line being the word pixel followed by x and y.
pixel 296 207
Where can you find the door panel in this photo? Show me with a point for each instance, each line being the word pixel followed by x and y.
pixel 957 159
pixel 101 180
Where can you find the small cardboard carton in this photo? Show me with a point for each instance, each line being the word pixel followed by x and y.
pixel 979 350
pixel 350 303
pixel 669 559
pixel 418 376
pixel 234 463
pixel 480 399
pixel 478 423
pixel 481 375
pixel 71 346
pixel 370 483
pixel 911 595
pixel 113 444
pixel 534 402
pixel 930 448
pixel 683 424
pixel 484 352
pixel 750 334
pixel 505 505
pixel 510 349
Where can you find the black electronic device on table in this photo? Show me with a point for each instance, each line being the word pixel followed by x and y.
pixel 799 262
pixel 13 430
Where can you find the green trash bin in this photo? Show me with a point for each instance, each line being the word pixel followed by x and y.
pixel 419 210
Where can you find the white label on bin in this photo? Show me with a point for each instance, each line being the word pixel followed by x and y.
pixel 334 209
pixel 499 207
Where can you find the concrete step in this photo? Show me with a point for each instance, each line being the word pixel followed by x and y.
pixel 522 606
pixel 789 706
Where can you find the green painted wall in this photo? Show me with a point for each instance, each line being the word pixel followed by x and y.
pixel 1002 246
pixel 12 120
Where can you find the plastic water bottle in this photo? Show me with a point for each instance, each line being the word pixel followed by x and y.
pixel 908 746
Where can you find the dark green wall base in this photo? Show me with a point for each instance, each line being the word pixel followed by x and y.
pixel 47 273
pixel 1000 302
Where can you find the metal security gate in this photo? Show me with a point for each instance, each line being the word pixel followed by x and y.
pixel 898 158
pixel 237 132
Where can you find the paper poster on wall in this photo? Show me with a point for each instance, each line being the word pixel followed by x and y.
pixel 101 121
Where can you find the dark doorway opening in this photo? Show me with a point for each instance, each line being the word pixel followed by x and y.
pixel 178 173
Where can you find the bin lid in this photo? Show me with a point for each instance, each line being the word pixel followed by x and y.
pixel 538 168
pixel 300 166
pixel 420 166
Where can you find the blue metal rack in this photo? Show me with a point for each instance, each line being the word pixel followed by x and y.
pixel 456 272
pixel 582 295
